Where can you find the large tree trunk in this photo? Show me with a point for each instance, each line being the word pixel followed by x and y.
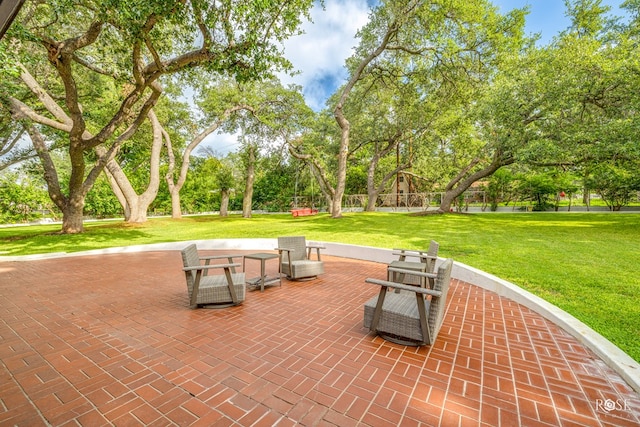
pixel 176 209
pixel 118 193
pixel 73 216
pixel 224 203
pixel 371 203
pixel 80 140
pixel 449 197
pixel 176 185
pixel 463 181
pixel 138 212
pixel 72 207
pixel 247 200
pixel 137 205
pixel 341 174
pixel 336 206
pixel 343 122
pixel 374 190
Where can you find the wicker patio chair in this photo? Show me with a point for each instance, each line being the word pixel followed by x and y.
pixel 212 291
pixel 409 318
pixel 426 263
pixel 295 258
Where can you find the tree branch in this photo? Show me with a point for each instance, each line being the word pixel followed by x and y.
pixel 50 174
pixel 92 67
pixel 49 103
pixel 20 110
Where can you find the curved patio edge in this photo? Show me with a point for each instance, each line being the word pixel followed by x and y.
pixel 612 355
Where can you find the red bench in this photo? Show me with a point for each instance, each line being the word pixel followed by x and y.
pixel 303 212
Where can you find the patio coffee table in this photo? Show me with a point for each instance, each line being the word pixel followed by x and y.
pixel 263 279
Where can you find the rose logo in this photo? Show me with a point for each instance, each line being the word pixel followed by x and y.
pixel 609 405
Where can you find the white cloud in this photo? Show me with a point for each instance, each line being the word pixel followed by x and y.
pixel 221 143
pixel 320 53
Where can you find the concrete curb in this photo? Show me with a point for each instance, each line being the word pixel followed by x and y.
pixel 613 356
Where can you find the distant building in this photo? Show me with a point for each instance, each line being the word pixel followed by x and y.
pixel 400 190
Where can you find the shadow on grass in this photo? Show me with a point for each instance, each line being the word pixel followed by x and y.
pixel 47 240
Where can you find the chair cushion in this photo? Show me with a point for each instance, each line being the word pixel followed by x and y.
pixel 214 289
pixel 306 268
pixel 399 317
pixel 407 265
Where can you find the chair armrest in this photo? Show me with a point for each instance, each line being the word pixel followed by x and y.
pixel 400 251
pixel 206 257
pixel 406 250
pixel 283 249
pixel 207 267
pixel 413 253
pixel 315 247
pixel 412 272
pixel 404 287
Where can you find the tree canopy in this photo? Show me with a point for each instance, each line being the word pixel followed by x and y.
pixel 91 71
pixel 448 91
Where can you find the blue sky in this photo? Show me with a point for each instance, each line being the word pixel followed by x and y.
pixel 319 54
pixel 548 16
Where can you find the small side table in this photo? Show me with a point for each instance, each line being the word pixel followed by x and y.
pixel 263 279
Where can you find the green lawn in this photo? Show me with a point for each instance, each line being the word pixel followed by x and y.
pixel 586 263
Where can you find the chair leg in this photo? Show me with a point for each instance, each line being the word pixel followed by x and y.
pixel 196 289
pixel 232 289
pixel 377 313
pixel 422 312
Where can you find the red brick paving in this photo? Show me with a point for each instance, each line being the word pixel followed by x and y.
pixel 110 340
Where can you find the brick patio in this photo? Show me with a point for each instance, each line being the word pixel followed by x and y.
pixel 110 340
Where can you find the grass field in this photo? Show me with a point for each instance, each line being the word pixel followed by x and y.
pixel 586 263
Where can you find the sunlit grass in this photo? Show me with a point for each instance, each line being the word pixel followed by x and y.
pixel 585 263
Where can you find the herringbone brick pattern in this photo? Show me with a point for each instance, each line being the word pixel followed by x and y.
pixel 110 340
